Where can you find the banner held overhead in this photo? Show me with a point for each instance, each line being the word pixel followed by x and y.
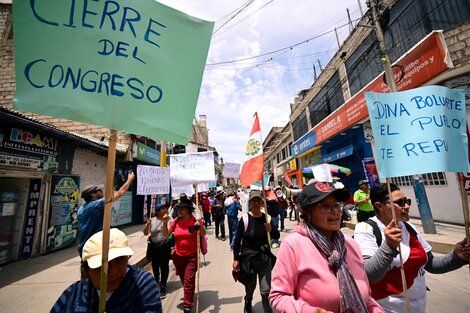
pixel 191 168
pixel 134 66
pixel 422 130
pixel 231 170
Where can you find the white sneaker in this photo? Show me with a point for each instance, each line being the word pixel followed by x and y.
pixel 275 245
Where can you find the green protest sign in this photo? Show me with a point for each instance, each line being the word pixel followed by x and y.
pixel 134 65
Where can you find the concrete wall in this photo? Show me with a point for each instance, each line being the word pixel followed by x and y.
pixel 90 166
pixel 444 201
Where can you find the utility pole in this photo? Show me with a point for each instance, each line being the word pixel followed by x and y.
pixel 418 184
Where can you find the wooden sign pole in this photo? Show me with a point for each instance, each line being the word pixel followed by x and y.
pixel 402 269
pixel 108 196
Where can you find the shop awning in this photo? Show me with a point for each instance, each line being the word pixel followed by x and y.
pixel 307 172
pixel 336 155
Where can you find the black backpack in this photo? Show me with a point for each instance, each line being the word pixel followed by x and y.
pixel 378 234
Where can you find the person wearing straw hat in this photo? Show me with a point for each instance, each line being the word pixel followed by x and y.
pixel 185 228
pixel 379 239
pixel 252 254
pixel 318 268
pixel 130 289
pixel 159 246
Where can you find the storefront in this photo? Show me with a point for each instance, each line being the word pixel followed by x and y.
pixel 305 153
pixel 139 206
pixel 39 195
pixel 28 158
pixel 347 125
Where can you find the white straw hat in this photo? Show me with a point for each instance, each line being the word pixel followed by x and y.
pixel 118 246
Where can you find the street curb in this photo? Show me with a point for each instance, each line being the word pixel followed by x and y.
pixel 438 247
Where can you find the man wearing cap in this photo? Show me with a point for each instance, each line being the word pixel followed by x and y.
pixel 362 201
pixel 129 289
pixel 90 214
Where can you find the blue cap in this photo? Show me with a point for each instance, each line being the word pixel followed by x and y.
pixel 159 206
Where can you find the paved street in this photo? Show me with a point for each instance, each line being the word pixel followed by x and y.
pixel 449 292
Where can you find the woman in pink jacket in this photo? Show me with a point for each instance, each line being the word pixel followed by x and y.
pixel 318 269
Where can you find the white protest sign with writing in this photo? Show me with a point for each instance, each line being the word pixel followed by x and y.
pixel 231 170
pixel 191 168
pixel 187 189
pixel 202 187
pixel 422 130
pixel 153 180
pixel 322 173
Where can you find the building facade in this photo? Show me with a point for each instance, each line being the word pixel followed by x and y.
pixel 330 122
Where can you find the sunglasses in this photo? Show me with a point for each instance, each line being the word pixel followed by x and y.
pixel 401 202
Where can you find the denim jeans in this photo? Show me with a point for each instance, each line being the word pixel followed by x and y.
pixel 207 219
pixel 283 216
pixel 232 229
pixel 220 226
pixel 275 225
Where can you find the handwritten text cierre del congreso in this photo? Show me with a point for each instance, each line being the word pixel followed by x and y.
pixel 421 116
pixel 108 16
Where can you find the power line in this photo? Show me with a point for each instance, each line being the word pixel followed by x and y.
pixel 281 49
pixel 246 5
pixel 228 28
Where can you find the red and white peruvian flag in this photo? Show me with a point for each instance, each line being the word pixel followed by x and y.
pixel 252 169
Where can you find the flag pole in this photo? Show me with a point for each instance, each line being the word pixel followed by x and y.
pixel 109 191
pixel 198 252
pixel 265 209
pixel 262 188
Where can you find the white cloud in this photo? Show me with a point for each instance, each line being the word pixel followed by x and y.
pixel 231 94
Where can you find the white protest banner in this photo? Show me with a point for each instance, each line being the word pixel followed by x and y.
pixel 322 173
pixel 422 130
pixel 231 170
pixel 203 187
pixel 153 180
pixel 191 168
pixel 187 189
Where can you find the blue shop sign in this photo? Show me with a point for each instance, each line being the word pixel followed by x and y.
pixel 305 142
pixel 336 155
pixel 145 153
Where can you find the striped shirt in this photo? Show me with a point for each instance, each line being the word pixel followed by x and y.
pixel 138 292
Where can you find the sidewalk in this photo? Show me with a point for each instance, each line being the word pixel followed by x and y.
pixel 34 285
pixel 442 242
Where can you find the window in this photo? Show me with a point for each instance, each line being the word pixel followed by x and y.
pixel 429 179
pixel 300 126
pixel 327 100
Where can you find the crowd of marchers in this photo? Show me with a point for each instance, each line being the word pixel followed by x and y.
pixel 317 269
